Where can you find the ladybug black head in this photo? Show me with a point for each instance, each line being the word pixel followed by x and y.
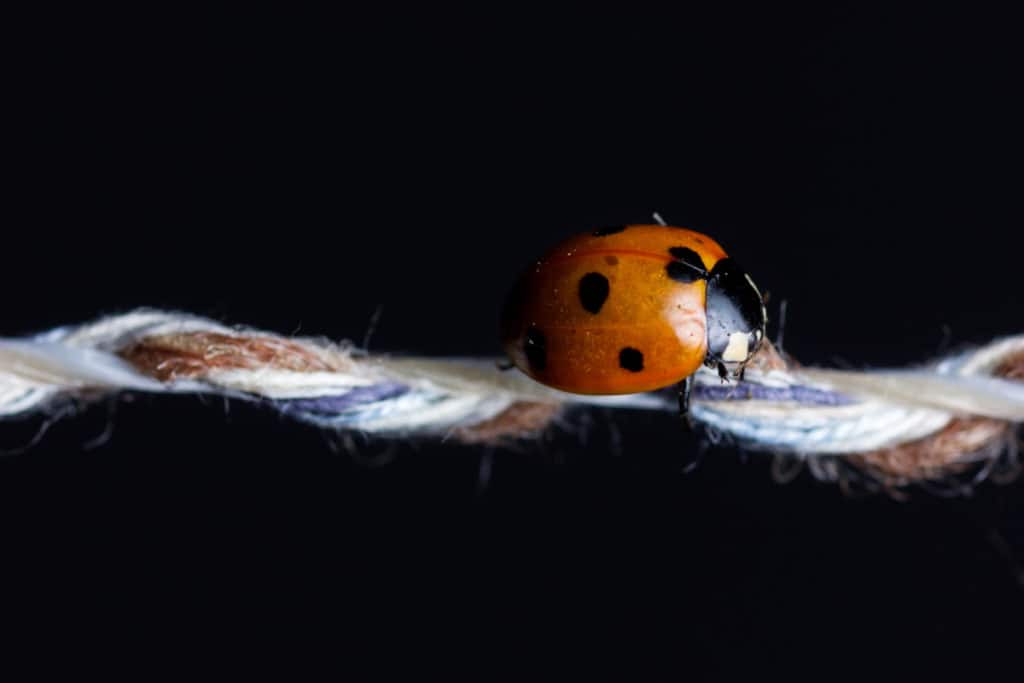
pixel 736 316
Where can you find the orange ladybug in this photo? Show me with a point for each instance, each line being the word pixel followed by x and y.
pixel 630 309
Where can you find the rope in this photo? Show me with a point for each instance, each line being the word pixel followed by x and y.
pixel 899 425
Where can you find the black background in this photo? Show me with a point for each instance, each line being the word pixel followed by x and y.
pixel 294 170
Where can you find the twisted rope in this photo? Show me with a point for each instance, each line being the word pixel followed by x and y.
pixel 902 425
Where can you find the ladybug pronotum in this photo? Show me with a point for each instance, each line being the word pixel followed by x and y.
pixel 631 309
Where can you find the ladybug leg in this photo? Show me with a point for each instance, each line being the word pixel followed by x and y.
pixel 722 372
pixel 743 371
pixel 685 387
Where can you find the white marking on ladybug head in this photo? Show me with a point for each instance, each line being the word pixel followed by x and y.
pixel 738 348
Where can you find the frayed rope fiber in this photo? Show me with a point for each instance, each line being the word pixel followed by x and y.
pixel 901 425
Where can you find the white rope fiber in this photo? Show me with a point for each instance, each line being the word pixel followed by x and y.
pixel 778 407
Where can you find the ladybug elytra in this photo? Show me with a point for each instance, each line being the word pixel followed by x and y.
pixel 631 309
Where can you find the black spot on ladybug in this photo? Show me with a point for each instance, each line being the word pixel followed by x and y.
pixel 687 255
pixel 681 272
pixel 611 260
pixel 593 291
pixel 687 266
pixel 604 232
pixel 536 348
pixel 631 359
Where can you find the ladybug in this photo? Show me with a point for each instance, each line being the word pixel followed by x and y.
pixel 630 309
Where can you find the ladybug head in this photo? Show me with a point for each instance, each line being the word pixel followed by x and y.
pixel 735 315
